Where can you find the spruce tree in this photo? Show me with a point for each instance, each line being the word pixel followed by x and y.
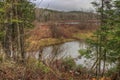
pixel 106 42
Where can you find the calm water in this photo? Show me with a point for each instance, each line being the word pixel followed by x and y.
pixel 65 50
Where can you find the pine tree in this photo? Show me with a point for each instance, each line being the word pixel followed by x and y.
pixel 99 45
pixel 114 42
pixel 106 42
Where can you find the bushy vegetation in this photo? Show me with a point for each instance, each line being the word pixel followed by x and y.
pixel 69 63
pixel 32 69
pixel 17 16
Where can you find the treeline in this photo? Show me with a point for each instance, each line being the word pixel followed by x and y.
pixel 44 15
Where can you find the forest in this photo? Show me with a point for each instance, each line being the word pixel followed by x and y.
pixel 45 44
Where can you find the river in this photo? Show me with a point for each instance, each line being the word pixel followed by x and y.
pixel 68 49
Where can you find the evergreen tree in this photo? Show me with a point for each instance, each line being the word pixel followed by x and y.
pixel 114 41
pixel 106 42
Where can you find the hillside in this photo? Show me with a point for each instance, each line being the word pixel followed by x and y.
pixel 44 15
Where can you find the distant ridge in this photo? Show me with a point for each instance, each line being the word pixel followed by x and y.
pixel 45 15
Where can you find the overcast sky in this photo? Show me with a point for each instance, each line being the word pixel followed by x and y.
pixel 65 5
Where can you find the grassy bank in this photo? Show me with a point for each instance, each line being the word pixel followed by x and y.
pixel 45 35
pixel 37 44
pixel 82 36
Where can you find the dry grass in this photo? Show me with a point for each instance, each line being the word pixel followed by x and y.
pixel 83 36
pixel 37 44
pixel 33 69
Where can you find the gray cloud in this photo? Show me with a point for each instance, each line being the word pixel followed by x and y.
pixel 65 5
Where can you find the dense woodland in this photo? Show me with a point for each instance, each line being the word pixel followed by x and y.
pixel 45 15
pixel 25 29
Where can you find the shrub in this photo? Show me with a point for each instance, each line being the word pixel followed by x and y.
pixel 111 71
pixel 69 63
pixel 37 65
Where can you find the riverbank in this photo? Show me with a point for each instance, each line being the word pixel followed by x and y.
pixel 35 45
pixel 83 36
pixel 49 34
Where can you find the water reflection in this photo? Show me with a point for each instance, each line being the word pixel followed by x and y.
pixel 65 50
